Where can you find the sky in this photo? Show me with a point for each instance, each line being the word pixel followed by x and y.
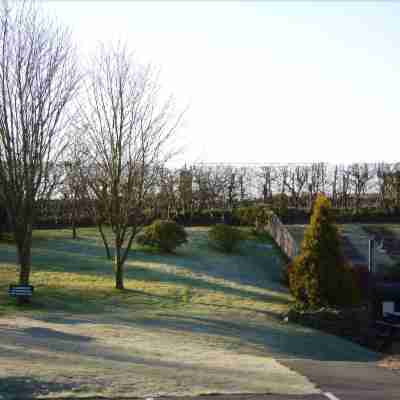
pixel 263 81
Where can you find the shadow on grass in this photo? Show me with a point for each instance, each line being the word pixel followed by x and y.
pixel 91 299
pixel 254 266
pixel 38 332
pixel 269 338
pixel 144 274
pixel 85 301
pixel 33 333
pixel 276 339
pixel 27 387
pixel 61 255
pixel 76 304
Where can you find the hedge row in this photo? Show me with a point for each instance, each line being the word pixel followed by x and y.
pixel 245 216
pixel 371 215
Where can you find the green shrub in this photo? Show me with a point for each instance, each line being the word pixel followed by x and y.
pixel 319 276
pixel 257 215
pixel 163 234
pixel 225 237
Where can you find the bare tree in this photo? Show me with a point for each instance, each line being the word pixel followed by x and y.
pixel 266 176
pixel 38 78
pixel 296 182
pixel 168 193
pixel 128 134
pixel 334 185
pixel 360 175
pixel 74 179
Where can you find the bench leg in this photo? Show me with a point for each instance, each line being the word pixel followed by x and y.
pixel 21 300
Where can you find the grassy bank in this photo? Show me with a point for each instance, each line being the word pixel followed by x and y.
pixel 75 275
pixel 190 323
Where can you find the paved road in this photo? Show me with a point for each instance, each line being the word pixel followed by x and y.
pixel 337 381
pixel 350 380
pixel 248 397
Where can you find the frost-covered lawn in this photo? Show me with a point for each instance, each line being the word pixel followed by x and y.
pixel 194 322
pixel 76 276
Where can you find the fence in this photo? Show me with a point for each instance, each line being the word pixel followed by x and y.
pixel 282 236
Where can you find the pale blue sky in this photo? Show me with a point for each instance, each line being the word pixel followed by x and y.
pixel 264 81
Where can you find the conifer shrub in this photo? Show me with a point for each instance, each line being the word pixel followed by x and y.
pixel 319 275
pixel 225 237
pixel 163 234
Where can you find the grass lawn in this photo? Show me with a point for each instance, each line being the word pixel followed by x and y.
pixel 194 322
pixel 74 275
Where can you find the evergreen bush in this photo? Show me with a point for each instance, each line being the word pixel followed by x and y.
pixel 163 234
pixel 319 276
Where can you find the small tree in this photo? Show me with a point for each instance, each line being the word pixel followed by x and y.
pixel 319 275
pixel 73 185
pixel 128 131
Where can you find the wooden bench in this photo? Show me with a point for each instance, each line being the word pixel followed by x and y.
pixel 22 292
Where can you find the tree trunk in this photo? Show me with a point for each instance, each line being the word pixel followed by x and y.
pixel 118 263
pixel 73 222
pixel 103 237
pixel 24 256
pixel 24 259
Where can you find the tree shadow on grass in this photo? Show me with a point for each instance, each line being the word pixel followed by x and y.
pixel 33 333
pixel 277 339
pixel 250 269
pixel 93 298
pixel 39 332
pixel 254 267
pixel 27 387
pixel 141 273
pixel 54 259
pixel 68 310
pixel 265 339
